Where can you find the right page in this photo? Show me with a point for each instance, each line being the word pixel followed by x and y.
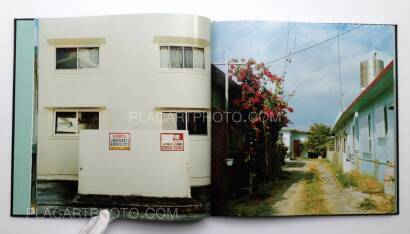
pixel 304 119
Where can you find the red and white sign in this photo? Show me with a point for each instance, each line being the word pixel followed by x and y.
pixel 172 141
pixel 119 141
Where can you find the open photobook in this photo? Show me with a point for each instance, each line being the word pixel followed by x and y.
pixel 175 117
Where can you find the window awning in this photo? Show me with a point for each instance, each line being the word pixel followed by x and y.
pixel 181 40
pixel 76 41
pixel 183 109
pixel 75 107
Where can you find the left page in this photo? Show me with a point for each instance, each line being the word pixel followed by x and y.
pixel 111 112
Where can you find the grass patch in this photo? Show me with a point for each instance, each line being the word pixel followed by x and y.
pixel 384 204
pixel 367 204
pixel 314 202
pixel 363 183
pixel 377 201
pixel 254 205
pixel 258 206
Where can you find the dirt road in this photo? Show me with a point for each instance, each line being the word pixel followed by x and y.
pixel 334 199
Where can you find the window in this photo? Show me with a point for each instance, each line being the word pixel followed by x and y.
pixel 386 122
pixel 176 57
pixel 370 132
pixel 364 132
pixel 344 142
pixel 381 122
pixel 199 58
pixel 182 57
pixel 188 57
pixel 351 144
pixel 77 58
pixel 164 56
pixel 71 122
pixel 195 122
pixel 66 123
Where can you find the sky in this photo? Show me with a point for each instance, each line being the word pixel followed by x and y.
pixel 312 75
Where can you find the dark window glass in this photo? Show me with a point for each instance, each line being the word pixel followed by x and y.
pixel 181 121
pixel 197 123
pixel 88 120
pixel 386 124
pixel 66 58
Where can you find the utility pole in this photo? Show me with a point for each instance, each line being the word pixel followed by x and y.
pixel 340 72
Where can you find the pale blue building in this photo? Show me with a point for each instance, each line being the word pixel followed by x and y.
pixel 366 133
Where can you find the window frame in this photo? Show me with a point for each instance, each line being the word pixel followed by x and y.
pixel 76 134
pixel 183 68
pixel 77 51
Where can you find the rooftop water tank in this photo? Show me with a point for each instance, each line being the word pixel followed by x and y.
pixel 369 69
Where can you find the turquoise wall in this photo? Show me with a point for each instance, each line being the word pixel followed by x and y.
pixel 23 116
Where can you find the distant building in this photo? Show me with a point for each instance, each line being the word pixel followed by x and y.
pixel 365 132
pixel 294 139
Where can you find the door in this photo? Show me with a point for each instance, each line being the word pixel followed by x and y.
pixel 296 148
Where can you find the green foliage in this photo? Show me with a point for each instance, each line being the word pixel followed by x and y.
pixel 345 179
pixel 319 138
pixel 367 204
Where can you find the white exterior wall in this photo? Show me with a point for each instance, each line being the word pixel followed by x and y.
pixel 129 79
pixel 286 139
pixel 143 170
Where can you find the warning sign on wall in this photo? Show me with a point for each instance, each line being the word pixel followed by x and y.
pixel 119 141
pixel 172 142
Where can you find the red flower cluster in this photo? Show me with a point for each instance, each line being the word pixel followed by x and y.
pixel 262 93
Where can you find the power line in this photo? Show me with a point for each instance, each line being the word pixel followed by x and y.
pixel 339 63
pixel 314 45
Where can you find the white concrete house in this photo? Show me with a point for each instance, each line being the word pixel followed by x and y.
pixel 130 73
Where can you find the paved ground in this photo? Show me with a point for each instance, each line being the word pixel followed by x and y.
pixel 338 200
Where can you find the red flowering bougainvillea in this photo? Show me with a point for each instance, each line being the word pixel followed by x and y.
pixel 264 110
